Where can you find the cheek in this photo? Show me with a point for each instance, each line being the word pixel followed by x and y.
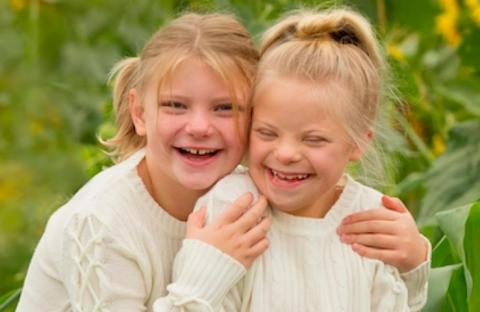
pixel 165 129
pixel 233 133
pixel 257 151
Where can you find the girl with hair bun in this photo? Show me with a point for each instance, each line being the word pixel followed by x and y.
pixel 319 85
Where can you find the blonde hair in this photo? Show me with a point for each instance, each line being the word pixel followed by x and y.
pixel 336 45
pixel 219 40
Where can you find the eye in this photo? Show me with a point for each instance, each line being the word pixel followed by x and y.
pixel 173 105
pixel 265 134
pixel 313 139
pixel 224 108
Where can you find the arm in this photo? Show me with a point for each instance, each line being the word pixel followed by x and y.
pixel 391 235
pixel 388 291
pixel 214 257
pixel 100 271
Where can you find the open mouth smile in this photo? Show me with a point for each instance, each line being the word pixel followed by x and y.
pixel 284 179
pixel 198 156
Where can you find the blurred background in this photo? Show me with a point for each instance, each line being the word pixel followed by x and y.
pixel 55 56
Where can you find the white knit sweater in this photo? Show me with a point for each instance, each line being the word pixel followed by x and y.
pixel 112 248
pixel 307 267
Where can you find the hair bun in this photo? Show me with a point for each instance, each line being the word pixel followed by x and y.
pixel 309 27
pixel 333 27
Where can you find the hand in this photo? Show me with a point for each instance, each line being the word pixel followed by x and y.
pixel 239 231
pixel 389 235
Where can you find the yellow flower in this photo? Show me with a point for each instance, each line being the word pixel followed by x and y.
pixel 18 5
pixel 474 8
pixel 446 23
pixel 438 145
pixel 394 51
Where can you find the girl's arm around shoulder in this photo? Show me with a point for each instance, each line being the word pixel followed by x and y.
pixel 388 291
pixel 202 277
pixel 390 234
pixel 215 256
pixel 225 192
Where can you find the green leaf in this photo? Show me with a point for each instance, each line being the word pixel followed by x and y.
pixel 452 222
pixel 439 281
pixel 10 297
pixel 462 229
pixel 443 254
pixel 453 179
pixel 472 256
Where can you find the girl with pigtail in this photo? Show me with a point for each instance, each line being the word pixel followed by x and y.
pixel 183 114
pixel 320 82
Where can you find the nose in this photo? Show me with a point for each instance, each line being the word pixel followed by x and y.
pixel 287 152
pixel 199 124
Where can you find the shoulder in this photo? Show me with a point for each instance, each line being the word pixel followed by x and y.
pixel 234 185
pixel 107 197
pixel 366 197
pixel 226 191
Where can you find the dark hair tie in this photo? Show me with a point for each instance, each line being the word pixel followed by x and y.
pixel 345 36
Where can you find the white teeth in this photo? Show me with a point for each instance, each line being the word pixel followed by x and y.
pixel 289 177
pixel 195 151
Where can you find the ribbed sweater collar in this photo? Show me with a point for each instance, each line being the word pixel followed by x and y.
pixel 320 226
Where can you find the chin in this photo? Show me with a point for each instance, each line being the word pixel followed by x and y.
pixel 200 184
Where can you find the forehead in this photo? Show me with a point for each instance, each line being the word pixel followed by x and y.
pixel 294 95
pixel 195 74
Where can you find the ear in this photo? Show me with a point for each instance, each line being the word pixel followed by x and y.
pixel 358 151
pixel 137 112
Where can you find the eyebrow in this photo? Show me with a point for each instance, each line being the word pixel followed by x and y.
pixel 263 123
pixel 223 99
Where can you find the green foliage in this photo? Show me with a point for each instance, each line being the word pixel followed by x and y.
pixel 54 103
pixel 453 178
pixel 455 275
pixel 8 299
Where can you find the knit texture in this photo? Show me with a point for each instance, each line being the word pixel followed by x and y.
pixel 308 268
pixel 110 248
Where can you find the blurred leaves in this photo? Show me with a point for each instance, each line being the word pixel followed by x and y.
pixel 453 179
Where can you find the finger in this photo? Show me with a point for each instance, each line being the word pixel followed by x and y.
pixel 259 248
pixel 388 256
pixel 197 218
pixel 393 203
pixel 365 227
pixel 235 210
pixel 369 215
pixel 379 241
pixel 252 216
pixel 258 232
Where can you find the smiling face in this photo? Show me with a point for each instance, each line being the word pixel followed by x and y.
pixel 194 137
pixel 298 151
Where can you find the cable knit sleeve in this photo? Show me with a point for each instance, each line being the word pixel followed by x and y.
pixel 388 292
pixel 204 278
pixel 100 273
pixel 416 281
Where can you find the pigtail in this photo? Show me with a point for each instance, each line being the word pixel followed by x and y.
pixel 126 141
